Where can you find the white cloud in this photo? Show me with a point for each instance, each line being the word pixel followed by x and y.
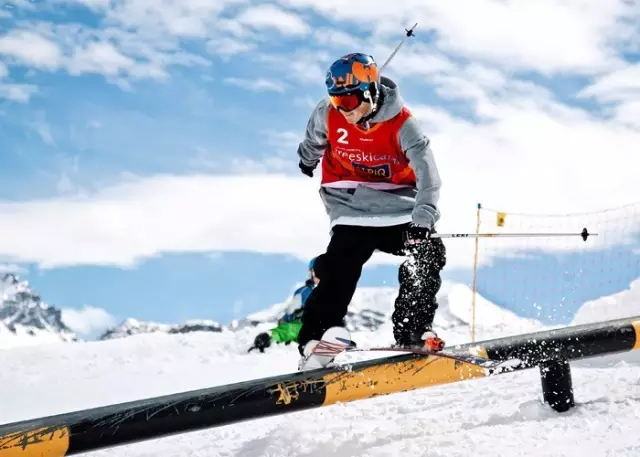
pixel 416 60
pixel 17 92
pixel 264 165
pixel 233 28
pixel 621 90
pixel 229 46
pixel 30 48
pixel 545 35
pixel 257 85
pixel 576 35
pixel 117 54
pixel 286 139
pixel 278 214
pixel 101 57
pixel 358 11
pixel 12 268
pixel 26 5
pixel 629 113
pixel 89 321
pixel 4 71
pixel 41 127
pixel 300 66
pixel 140 218
pixel 179 18
pixel 98 5
pixel 306 101
pixel 337 38
pixel 616 85
pixel 270 16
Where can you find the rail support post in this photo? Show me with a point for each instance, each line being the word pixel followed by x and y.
pixel 557 387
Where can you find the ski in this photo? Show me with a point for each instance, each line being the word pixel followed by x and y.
pixel 337 340
pixel 458 356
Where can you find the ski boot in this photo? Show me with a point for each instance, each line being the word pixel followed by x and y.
pixel 320 353
pixel 428 340
pixel 432 341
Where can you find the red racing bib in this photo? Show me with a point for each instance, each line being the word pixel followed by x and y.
pixel 357 156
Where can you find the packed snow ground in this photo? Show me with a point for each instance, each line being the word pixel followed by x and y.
pixel 500 416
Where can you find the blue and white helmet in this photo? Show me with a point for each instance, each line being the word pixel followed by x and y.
pixel 352 79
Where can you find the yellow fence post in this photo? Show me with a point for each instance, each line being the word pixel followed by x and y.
pixel 475 276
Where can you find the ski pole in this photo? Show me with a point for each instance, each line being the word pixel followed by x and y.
pixel 584 234
pixel 407 35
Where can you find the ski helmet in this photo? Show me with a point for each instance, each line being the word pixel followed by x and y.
pixel 352 79
pixel 317 265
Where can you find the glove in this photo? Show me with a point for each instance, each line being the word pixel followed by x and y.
pixel 416 234
pixel 306 169
pixel 262 341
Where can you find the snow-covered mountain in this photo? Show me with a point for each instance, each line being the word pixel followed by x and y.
pixel 369 312
pixel 26 319
pixel 369 317
pixel 135 327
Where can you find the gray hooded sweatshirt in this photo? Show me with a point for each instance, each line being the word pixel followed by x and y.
pixel 368 206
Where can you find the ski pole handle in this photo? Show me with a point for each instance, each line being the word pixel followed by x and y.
pixel 409 33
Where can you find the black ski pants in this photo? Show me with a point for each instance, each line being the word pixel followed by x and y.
pixel 349 249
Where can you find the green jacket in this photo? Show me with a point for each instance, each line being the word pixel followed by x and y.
pixel 289 324
pixel 286 331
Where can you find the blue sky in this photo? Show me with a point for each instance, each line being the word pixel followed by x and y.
pixel 149 160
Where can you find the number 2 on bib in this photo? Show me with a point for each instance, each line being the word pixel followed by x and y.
pixel 343 136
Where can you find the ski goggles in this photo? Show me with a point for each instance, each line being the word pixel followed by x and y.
pixel 347 102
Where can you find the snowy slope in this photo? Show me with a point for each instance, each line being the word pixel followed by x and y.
pixel 26 319
pixel 495 417
pixel 623 304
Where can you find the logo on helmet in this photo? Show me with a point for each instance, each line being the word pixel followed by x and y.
pixel 365 73
pixel 342 82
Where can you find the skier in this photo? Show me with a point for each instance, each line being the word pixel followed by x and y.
pixel 289 324
pixel 380 187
